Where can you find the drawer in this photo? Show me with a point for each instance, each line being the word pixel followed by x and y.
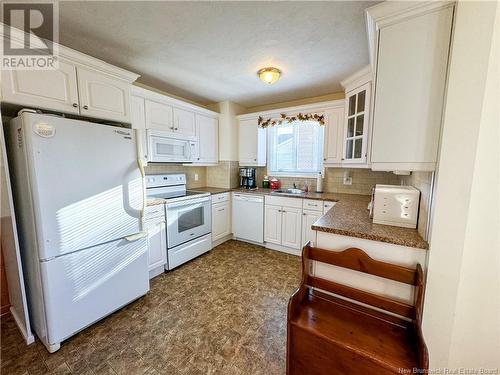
pixel 221 197
pixel 327 205
pixel 312 204
pixel 157 210
pixel 284 201
pixel 152 222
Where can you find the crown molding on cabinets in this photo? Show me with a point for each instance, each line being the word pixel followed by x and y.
pixel 316 107
pixel 390 12
pixel 162 98
pixel 357 79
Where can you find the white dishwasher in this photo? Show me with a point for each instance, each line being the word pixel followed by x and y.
pixel 248 217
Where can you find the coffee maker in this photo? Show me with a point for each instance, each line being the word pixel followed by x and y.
pixel 247 178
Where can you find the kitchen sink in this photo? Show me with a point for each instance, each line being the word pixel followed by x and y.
pixel 289 191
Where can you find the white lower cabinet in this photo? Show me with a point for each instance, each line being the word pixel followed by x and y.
pixel 308 218
pixel 221 220
pixel 283 226
pixel 157 245
pixel 272 224
pixel 291 228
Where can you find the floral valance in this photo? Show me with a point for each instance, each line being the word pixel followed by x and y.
pixel 264 123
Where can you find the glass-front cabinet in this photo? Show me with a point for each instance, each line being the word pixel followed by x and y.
pixel 356 124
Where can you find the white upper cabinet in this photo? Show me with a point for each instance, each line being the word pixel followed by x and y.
pixel 159 116
pixel 409 45
pixel 333 136
pixel 207 130
pixel 178 119
pixel 184 122
pixel 80 85
pixel 103 96
pixel 252 143
pixel 138 112
pixel 45 89
pixel 357 114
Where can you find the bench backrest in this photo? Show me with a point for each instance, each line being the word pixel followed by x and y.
pixel 357 260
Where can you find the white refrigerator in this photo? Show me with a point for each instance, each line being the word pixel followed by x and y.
pixel 78 196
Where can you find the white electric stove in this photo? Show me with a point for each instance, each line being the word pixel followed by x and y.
pixel 188 217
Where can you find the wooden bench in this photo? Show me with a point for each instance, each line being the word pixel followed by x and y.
pixel 329 335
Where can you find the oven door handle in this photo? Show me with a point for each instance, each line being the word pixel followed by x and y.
pixel 188 203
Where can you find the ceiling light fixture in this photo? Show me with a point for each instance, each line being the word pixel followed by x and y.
pixel 269 75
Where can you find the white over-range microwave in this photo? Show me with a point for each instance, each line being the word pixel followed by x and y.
pixel 163 147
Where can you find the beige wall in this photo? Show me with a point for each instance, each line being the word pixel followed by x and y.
pixel 228 129
pixel 312 100
pixel 462 303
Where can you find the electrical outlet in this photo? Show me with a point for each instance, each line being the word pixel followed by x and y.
pixel 347 178
pixel 196 176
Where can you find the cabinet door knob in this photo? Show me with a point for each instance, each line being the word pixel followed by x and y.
pixel 176 129
pixel 75 105
pixel 324 159
pixel 198 158
pixel 85 107
pixel 254 159
pixel 172 127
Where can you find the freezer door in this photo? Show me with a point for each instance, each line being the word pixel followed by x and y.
pixel 85 183
pixel 83 287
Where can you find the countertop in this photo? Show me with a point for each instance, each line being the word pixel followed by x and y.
pixel 349 217
pixel 211 190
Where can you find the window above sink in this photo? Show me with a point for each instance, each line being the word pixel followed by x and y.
pixel 295 149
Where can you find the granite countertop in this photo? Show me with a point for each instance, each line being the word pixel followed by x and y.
pixel 349 217
pixel 211 190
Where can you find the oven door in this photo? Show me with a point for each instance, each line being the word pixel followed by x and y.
pixel 163 149
pixel 187 220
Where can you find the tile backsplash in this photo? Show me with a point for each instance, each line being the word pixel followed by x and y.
pixel 191 173
pixel 223 175
pixel 363 180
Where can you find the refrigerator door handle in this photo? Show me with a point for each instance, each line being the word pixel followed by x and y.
pixel 136 236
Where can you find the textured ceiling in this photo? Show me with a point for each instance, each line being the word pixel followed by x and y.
pixel 210 51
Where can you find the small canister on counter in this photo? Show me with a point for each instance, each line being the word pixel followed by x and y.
pixel 274 183
pixel 265 182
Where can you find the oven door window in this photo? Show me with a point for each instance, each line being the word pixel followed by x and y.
pixel 191 219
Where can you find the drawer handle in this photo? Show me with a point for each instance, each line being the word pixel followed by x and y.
pixel 221 209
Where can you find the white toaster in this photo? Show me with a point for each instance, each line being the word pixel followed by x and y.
pixel 395 205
